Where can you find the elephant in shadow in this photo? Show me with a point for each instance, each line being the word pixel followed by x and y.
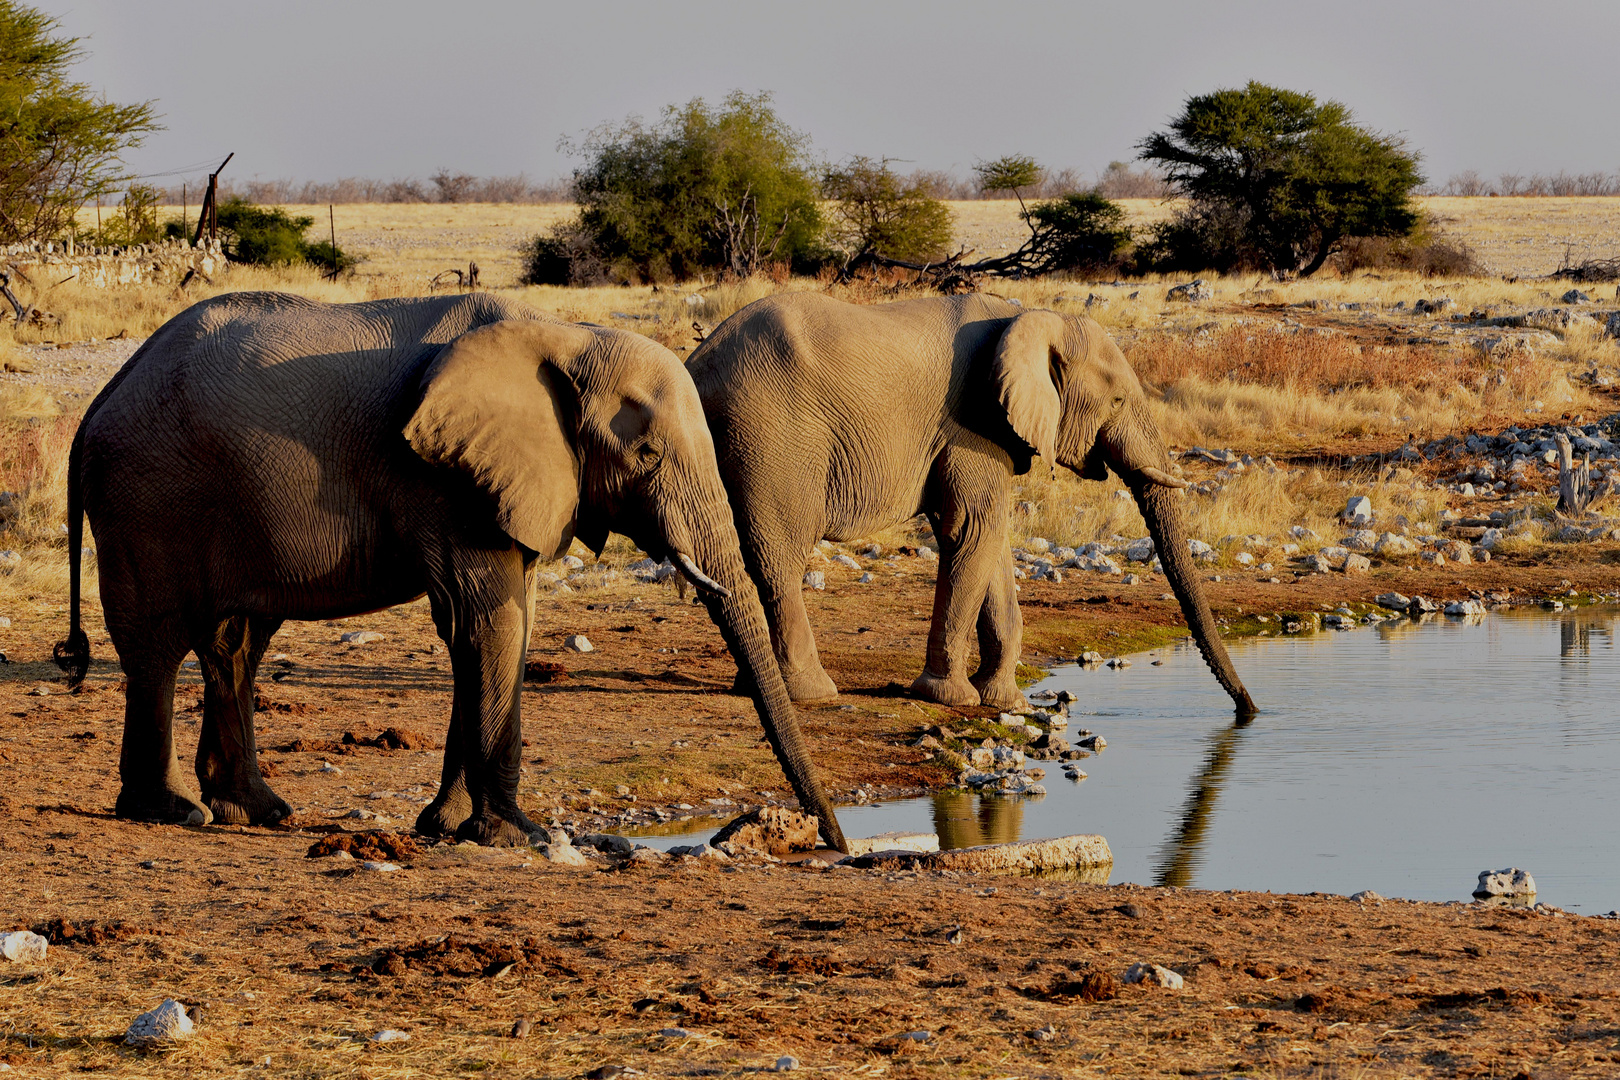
pixel 265 457
pixel 835 420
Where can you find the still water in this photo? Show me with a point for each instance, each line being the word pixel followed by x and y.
pixel 1403 758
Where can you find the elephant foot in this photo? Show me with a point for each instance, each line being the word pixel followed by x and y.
pixel 446 814
pixel 253 804
pixel 167 805
pixel 802 686
pixel 946 690
pixel 511 829
pixel 1000 692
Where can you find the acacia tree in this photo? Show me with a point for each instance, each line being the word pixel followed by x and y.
pixel 877 212
pixel 1277 180
pixel 59 141
pixel 705 188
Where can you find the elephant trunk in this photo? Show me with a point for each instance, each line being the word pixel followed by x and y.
pixel 1161 510
pixel 736 610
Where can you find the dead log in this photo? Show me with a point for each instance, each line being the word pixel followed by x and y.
pixel 1574 483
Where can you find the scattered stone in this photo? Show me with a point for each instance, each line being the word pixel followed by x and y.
pixel 1357 564
pixel 573 562
pixel 23 947
pixel 1574 296
pixel 1119 662
pixel 361 637
pixel 1358 511
pixel 894 841
pixel 1366 896
pixel 1154 975
pixel 1140 550
pixel 521 1029
pixel 1394 601
pixel 560 853
pixel 1509 882
pixel 1044 1034
pixel 815 579
pixel 379 867
pixel 328 767
pixel 866 579
pixel 1027 856
pixel 1090 658
pixel 785 1063
pixel 1461 608
pixel 165 1024
pixel 845 561
pixel 774 830
pixel 1191 292
pixel 391 1035
pixel 1425 306
pixel 918 1036
pixel 675 1033
pixel 578 643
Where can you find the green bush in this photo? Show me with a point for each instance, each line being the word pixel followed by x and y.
pixel 1082 231
pixel 705 189
pixel 269 236
pixel 1276 181
pixel 879 213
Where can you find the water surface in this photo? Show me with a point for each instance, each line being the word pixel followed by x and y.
pixel 1403 758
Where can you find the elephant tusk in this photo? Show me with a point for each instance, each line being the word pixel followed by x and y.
pixel 1159 476
pixel 698 577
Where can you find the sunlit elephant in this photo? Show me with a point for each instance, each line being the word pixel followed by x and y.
pixel 835 420
pixel 265 457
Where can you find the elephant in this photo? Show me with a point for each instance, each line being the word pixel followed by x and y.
pixel 265 457
pixel 834 420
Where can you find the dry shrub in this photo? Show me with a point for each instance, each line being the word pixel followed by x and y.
pixel 35 437
pixel 1431 256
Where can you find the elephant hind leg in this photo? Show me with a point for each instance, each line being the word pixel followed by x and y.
pixel 1001 635
pixel 153 786
pixel 227 756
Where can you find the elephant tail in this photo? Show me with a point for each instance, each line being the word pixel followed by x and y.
pixel 73 655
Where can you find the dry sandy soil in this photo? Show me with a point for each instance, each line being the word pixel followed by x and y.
pixel 296 962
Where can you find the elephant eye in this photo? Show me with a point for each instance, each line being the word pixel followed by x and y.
pixel 649 454
pixel 1118 401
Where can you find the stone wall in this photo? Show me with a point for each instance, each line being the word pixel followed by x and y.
pixel 52 262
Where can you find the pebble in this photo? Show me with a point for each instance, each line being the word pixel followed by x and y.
pixel 23 947
pixel 361 637
pixel 864 579
pixel 521 1029
pixel 379 867
pixel 166 1023
pixel 785 1063
pixel 328 767
pixel 388 1035
pixel 918 1036
pixel 573 562
pixel 1358 511
pixel 1366 896
pixel 845 561
pixel 675 1033
pixel 578 643
pixel 1044 1034
pixel 1465 607
pixel 816 580
pixel 1154 975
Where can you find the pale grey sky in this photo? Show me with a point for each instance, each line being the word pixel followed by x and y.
pixel 318 89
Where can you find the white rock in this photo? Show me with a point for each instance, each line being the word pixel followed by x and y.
pixel 562 854
pixel 785 1063
pixel 864 579
pixel 1392 545
pixel 1509 882
pixel 328 767
pixel 573 562
pixel 1394 601
pixel 815 579
pixel 1358 511
pixel 389 1035
pixel 1154 975
pixel 1243 558
pixel 1191 292
pixel 1200 550
pixel 9 561
pixel 379 867
pixel 166 1023
pixel 675 1033
pixel 1139 550
pixel 845 561
pixel 1465 607
pixel 578 643
pixel 361 637
pixel 1366 896
pixel 23 947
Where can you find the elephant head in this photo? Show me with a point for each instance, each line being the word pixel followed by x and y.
pixel 520 403
pixel 1070 395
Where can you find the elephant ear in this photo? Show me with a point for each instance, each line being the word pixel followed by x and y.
pixel 1022 377
pixel 498 405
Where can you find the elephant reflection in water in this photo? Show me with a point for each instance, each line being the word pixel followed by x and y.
pixel 1182 852
pixel 961 824
pixel 1575 635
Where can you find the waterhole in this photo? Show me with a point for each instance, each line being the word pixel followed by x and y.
pixel 1404 757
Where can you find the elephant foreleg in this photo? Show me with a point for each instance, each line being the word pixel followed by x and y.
pixel 227 756
pixel 970 555
pixel 1001 636
pixel 782 594
pixel 485 604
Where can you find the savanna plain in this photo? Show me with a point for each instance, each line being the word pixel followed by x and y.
pixel 1282 400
